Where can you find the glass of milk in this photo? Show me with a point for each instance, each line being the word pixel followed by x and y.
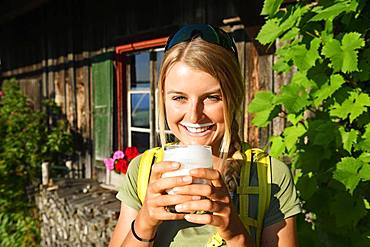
pixel 190 157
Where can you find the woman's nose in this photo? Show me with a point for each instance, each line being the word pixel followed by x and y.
pixel 195 111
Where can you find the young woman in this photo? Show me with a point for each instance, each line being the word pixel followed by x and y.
pixel 201 99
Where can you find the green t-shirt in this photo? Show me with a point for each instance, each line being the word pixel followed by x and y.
pixel 284 203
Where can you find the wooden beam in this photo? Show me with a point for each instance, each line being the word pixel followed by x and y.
pixel 11 9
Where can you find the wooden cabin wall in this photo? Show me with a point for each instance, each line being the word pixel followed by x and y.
pixel 51 50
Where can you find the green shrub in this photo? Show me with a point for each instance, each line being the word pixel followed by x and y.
pixel 27 137
pixel 326 105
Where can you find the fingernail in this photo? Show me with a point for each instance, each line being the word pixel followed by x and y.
pixel 195 198
pixel 187 179
pixel 176 189
pixel 178 207
pixel 175 165
pixel 187 217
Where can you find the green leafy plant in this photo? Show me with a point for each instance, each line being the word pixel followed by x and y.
pixel 326 107
pixel 27 138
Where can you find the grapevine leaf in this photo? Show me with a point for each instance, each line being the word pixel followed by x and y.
pixel 364 66
pixel 332 11
pixel 333 51
pixel 277 146
pixel 300 78
pixel 270 7
pixel 294 15
pixel 292 133
pixel 269 32
pixel 274 27
pixel 353 106
pixel 262 105
pixel 299 52
pixel 304 59
pixel 261 118
pixel 364 144
pixel 339 208
pixel 365 157
pixel 312 55
pixel 294 97
pixel 307 185
pixel 281 66
pixel 347 172
pixel 344 56
pixel 294 119
pixel 341 111
pixel 328 89
pixel 262 101
pixel 362 101
pixel 348 138
pixel 367 204
pixel 284 55
pixel 351 42
pixel 365 172
pixel 292 33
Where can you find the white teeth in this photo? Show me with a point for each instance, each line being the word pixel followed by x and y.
pixel 196 128
pixel 191 125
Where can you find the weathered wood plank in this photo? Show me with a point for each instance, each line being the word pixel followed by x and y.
pixel 265 83
pixel 252 85
pixel 74 218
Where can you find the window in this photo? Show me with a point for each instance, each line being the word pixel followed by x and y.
pixel 137 95
pixel 139 110
pixel 142 81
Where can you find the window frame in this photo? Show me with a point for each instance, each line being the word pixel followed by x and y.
pixel 123 92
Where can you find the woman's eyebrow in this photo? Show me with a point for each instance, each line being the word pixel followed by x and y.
pixel 216 91
pixel 175 92
pixel 212 91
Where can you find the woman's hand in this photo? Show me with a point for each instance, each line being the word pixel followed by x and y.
pixel 156 200
pixel 215 199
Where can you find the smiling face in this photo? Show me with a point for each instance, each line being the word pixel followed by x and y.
pixel 193 106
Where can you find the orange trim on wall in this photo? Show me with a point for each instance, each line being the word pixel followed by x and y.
pixel 142 45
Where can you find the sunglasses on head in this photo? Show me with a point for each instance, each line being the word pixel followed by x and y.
pixel 208 33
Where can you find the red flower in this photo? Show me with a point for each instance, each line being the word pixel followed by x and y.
pixel 121 165
pixel 131 152
pixel 120 161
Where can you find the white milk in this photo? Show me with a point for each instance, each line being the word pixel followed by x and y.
pixel 190 157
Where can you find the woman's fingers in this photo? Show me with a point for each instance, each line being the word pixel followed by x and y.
pixel 186 196
pixel 166 200
pixel 161 167
pixel 207 219
pixel 211 174
pixel 164 184
pixel 201 205
pixel 157 184
pixel 205 190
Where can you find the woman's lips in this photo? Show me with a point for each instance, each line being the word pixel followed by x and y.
pixel 197 129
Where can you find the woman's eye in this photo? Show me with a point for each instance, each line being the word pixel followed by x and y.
pixel 214 97
pixel 178 98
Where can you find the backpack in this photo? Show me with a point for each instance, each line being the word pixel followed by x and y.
pixel 253 156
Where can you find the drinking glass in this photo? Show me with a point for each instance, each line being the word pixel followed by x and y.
pixel 190 157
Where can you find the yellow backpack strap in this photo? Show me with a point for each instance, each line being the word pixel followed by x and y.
pixel 215 241
pixel 148 158
pixel 244 190
pixel 263 190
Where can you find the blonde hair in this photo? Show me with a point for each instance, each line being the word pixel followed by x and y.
pixel 222 65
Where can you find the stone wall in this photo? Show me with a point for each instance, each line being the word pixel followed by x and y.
pixel 77 212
